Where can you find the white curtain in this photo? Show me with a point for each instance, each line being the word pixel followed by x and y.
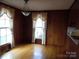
pixel 6 25
pixel 39 26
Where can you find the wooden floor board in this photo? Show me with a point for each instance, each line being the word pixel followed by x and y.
pixel 33 51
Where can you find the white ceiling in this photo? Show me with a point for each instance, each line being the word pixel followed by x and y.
pixel 39 5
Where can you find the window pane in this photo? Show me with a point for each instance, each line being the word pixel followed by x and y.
pixel 2 22
pixel 38 33
pixel 5 30
pixel 39 23
pixel 9 36
pixel 3 36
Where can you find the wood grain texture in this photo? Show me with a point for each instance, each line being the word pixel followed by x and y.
pixel 18 27
pixel 56 30
pixel 34 51
pixel 27 29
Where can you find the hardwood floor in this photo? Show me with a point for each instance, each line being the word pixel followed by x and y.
pixel 34 51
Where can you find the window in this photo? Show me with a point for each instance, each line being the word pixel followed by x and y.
pixel 39 26
pixel 5 28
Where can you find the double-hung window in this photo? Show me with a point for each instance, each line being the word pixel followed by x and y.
pixel 6 26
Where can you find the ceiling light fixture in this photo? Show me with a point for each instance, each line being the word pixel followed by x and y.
pixel 26 12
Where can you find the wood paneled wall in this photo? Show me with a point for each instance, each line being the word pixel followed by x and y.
pixel 74 15
pixel 18 27
pixel 56 30
pixel 58 21
pixel 27 29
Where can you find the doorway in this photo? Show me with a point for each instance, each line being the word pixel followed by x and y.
pixel 39 28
